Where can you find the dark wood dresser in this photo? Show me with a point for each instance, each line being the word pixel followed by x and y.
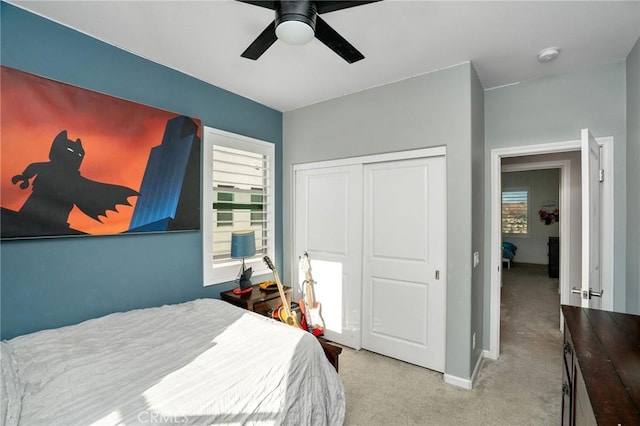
pixel 601 374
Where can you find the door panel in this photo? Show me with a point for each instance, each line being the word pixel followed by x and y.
pixel 591 221
pixel 413 297
pixel 328 217
pixel 404 252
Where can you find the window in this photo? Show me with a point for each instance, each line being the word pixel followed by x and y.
pixel 515 211
pixel 238 174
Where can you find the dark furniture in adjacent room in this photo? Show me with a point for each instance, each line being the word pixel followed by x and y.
pixel 554 257
pixel 601 371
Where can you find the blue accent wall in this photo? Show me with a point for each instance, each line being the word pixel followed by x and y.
pixel 48 283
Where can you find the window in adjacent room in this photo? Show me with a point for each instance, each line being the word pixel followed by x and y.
pixel 238 174
pixel 515 211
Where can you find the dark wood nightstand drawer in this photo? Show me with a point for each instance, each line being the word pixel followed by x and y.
pixel 331 350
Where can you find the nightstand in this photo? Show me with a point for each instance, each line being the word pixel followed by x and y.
pixel 258 300
pixel 331 351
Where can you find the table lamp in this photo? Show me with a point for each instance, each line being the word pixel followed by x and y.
pixel 243 244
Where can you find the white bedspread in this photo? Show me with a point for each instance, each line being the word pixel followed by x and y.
pixel 201 362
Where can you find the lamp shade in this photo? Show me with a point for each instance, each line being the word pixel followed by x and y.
pixel 243 244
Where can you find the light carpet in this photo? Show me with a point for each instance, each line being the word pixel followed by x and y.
pixel 523 387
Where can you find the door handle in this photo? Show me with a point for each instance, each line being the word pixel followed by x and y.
pixel 587 294
pixel 595 293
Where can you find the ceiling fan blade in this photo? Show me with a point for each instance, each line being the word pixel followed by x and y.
pixel 330 6
pixel 336 42
pixel 266 4
pixel 261 43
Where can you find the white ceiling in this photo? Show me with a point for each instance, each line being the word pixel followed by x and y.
pixel 399 39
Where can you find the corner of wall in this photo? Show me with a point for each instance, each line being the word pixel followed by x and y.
pixel 633 180
pixel 478 201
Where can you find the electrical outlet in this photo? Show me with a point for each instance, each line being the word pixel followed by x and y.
pixel 476 259
pixel 473 342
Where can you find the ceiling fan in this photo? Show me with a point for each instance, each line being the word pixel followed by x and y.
pixel 297 22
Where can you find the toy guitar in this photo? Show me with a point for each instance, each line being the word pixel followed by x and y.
pixel 284 311
pixel 309 306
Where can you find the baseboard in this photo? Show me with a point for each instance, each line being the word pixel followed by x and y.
pixel 458 381
pixel 476 369
pixel 465 383
pixel 486 354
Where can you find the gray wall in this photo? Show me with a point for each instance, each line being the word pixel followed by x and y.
pixel 543 186
pixel 478 218
pixel 554 109
pixel 430 110
pixel 633 180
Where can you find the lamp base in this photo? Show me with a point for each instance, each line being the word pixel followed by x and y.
pixel 244 282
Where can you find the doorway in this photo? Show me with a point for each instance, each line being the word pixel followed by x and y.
pixel 569 230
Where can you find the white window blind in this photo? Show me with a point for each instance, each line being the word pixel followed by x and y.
pixel 238 184
pixel 515 211
pixel 240 190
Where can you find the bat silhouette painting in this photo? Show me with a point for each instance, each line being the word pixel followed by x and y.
pixel 77 162
pixel 57 186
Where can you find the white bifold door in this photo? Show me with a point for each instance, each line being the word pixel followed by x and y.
pixel 376 237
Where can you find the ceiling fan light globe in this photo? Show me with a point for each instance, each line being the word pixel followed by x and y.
pixel 294 32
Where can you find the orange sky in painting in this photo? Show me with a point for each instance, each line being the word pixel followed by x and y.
pixel 117 137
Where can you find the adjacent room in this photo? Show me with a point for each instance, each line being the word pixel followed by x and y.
pixel 319 212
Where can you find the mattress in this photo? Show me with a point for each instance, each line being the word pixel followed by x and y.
pixel 200 362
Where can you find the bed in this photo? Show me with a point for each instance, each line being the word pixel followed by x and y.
pixel 200 362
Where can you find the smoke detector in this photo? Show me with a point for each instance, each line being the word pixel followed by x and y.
pixel 548 54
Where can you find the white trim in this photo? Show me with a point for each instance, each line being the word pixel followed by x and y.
pixel 477 368
pixel 487 355
pixel 495 226
pixel 212 137
pixel 607 218
pixel 466 383
pixel 375 158
pixel 535 166
pixel 458 381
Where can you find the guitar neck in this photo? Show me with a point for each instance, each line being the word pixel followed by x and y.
pixel 309 289
pixel 285 304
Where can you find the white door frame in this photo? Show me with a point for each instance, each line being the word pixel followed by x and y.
pixel 496 237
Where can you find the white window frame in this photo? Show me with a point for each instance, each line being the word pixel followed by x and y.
pixel 229 270
pixel 518 189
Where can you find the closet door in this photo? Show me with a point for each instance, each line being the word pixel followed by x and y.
pixel 404 260
pixel 328 226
